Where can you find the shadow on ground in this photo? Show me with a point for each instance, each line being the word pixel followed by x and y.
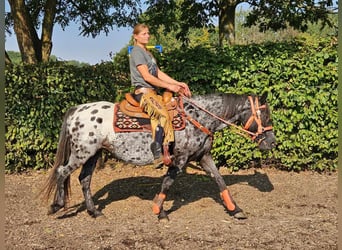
pixel 187 188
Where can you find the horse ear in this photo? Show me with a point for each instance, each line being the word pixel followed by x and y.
pixel 263 98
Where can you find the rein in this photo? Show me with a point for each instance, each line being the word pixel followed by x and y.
pixel 254 117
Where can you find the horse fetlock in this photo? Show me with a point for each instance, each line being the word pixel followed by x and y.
pixel 228 200
pixel 158 203
pixel 95 213
pixel 162 216
pixel 54 208
pixel 237 213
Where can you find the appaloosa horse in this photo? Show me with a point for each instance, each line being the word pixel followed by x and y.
pixel 88 128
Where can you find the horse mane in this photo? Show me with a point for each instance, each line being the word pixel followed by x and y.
pixel 232 102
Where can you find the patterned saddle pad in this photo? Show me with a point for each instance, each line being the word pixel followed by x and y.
pixel 125 123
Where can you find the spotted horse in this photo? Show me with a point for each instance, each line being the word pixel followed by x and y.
pixel 88 128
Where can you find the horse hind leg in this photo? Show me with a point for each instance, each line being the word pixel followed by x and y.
pixel 59 199
pixel 85 179
pixel 61 177
pixel 232 208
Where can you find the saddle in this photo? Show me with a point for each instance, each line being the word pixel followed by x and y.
pixel 129 116
pixel 131 107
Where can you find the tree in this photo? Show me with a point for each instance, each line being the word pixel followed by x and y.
pixel 27 17
pixel 181 15
pixel 7 58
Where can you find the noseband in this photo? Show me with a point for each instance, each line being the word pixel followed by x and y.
pixel 255 116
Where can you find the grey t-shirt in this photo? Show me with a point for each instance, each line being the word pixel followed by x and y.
pixel 138 57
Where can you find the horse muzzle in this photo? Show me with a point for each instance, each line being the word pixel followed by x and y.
pixel 266 141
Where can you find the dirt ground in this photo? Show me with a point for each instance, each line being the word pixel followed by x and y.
pixel 285 210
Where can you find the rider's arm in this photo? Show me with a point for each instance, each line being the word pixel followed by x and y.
pixel 165 77
pixel 157 82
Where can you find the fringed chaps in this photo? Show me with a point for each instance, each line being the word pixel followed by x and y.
pixel 154 106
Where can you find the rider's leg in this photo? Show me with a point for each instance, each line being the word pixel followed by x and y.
pixel 153 105
pixel 168 138
pixel 156 146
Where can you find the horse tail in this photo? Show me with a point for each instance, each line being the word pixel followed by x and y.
pixel 61 158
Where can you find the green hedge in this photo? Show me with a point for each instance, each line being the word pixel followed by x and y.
pixel 301 80
pixel 36 99
pixel 300 77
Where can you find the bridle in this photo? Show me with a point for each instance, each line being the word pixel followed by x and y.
pixel 255 117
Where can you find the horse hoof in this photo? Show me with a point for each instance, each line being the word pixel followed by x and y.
pixel 240 215
pixel 237 213
pixel 95 214
pixel 162 216
pixel 53 209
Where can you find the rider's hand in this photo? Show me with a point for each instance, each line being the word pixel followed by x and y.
pixel 174 88
pixel 185 89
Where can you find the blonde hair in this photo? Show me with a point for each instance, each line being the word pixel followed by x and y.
pixel 138 28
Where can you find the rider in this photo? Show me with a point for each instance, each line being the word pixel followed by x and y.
pixel 147 79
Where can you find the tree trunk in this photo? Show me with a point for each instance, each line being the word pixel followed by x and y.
pixel 33 49
pixel 7 58
pixel 26 35
pixel 47 28
pixel 227 22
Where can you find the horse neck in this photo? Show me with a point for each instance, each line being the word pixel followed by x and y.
pixel 225 106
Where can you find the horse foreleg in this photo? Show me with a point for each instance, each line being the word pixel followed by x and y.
pixel 233 209
pixel 85 180
pixel 160 198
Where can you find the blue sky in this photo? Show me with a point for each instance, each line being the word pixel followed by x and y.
pixel 68 45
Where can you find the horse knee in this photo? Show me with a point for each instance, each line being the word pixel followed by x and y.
pixel 61 174
pixel 170 178
pixel 173 172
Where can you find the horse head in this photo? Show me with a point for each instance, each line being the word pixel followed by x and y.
pixel 257 122
pixel 251 115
